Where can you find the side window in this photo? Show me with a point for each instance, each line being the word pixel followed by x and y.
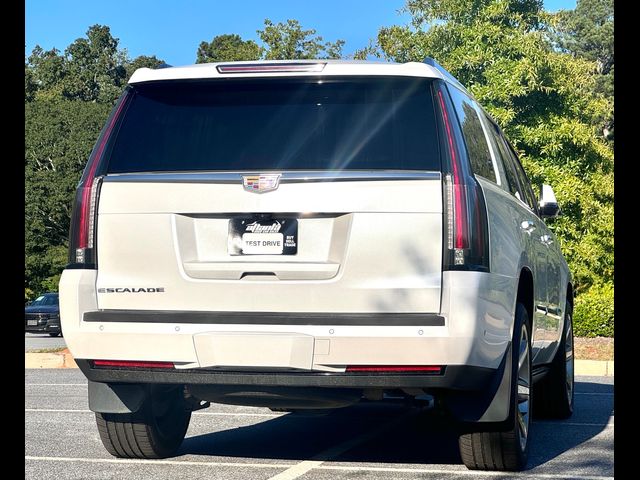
pixel 473 133
pixel 505 158
pixel 497 158
pixel 530 197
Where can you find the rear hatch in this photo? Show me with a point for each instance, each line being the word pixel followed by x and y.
pixel 273 195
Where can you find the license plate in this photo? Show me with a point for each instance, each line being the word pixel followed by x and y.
pixel 32 322
pixel 263 236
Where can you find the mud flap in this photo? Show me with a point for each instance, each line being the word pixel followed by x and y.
pixel 491 406
pixel 115 398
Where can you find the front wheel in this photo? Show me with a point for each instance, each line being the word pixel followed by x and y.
pixel 507 450
pixel 155 431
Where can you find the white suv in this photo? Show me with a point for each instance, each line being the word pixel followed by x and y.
pixel 305 234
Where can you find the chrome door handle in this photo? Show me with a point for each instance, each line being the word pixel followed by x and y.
pixel 528 226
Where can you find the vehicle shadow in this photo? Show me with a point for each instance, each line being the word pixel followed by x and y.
pixel 420 438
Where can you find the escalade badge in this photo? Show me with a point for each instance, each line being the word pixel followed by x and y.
pixel 260 183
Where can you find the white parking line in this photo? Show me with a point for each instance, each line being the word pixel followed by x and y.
pixel 317 460
pixel 241 414
pixel 53 410
pixel 224 414
pixel 457 472
pixel 155 462
pixel 609 424
pixel 57 384
pixel 469 473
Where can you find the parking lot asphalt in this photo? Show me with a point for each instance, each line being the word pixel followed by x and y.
pixel 38 341
pixel 366 441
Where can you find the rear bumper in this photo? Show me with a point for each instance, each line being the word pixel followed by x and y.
pixel 454 377
pixel 470 331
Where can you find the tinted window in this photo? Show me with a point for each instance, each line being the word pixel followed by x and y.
pixel 504 157
pixel 494 148
pixel 477 147
pixel 529 196
pixel 295 124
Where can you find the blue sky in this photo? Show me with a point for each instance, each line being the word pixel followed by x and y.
pixel 172 30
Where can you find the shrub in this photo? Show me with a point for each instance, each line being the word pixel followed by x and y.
pixel 593 312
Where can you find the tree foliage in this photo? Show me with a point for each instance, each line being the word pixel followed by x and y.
pixel 587 32
pixel 228 48
pixel 281 41
pixel 91 69
pixel 287 41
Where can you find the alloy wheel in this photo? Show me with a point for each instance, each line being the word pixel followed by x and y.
pixel 524 388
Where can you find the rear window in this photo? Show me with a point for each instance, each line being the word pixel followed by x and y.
pixel 278 124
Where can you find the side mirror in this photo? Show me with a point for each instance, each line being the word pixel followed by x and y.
pixel 548 205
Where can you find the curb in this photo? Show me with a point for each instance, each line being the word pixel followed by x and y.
pixel 49 360
pixel 599 368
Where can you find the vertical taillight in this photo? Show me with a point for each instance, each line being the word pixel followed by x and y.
pixel 82 241
pixel 465 220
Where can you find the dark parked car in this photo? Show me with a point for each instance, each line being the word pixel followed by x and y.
pixel 43 315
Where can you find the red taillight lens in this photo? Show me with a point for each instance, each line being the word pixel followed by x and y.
pixel 466 230
pixel 432 369
pixel 130 364
pixel 82 241
pixel 456 198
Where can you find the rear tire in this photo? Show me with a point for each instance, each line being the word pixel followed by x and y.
pixel 54 334
pixel 155 431
pixel 507 450
pixel 554 393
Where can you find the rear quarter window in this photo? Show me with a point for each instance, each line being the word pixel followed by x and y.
pixel 474 136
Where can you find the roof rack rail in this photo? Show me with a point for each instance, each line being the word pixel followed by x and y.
pixel 431 62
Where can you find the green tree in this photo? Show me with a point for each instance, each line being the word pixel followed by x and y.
pixel 142 61
pixel 287 41
pixel 587 32
pixel 95 67
pixel 282 41
pixel 228 48
pixel 45 71
pixel 92 68
pixel 30 85
pixel 543 98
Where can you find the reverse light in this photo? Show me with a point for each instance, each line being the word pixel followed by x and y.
pixel 431 369
pixel 270 67
pixel 130 364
